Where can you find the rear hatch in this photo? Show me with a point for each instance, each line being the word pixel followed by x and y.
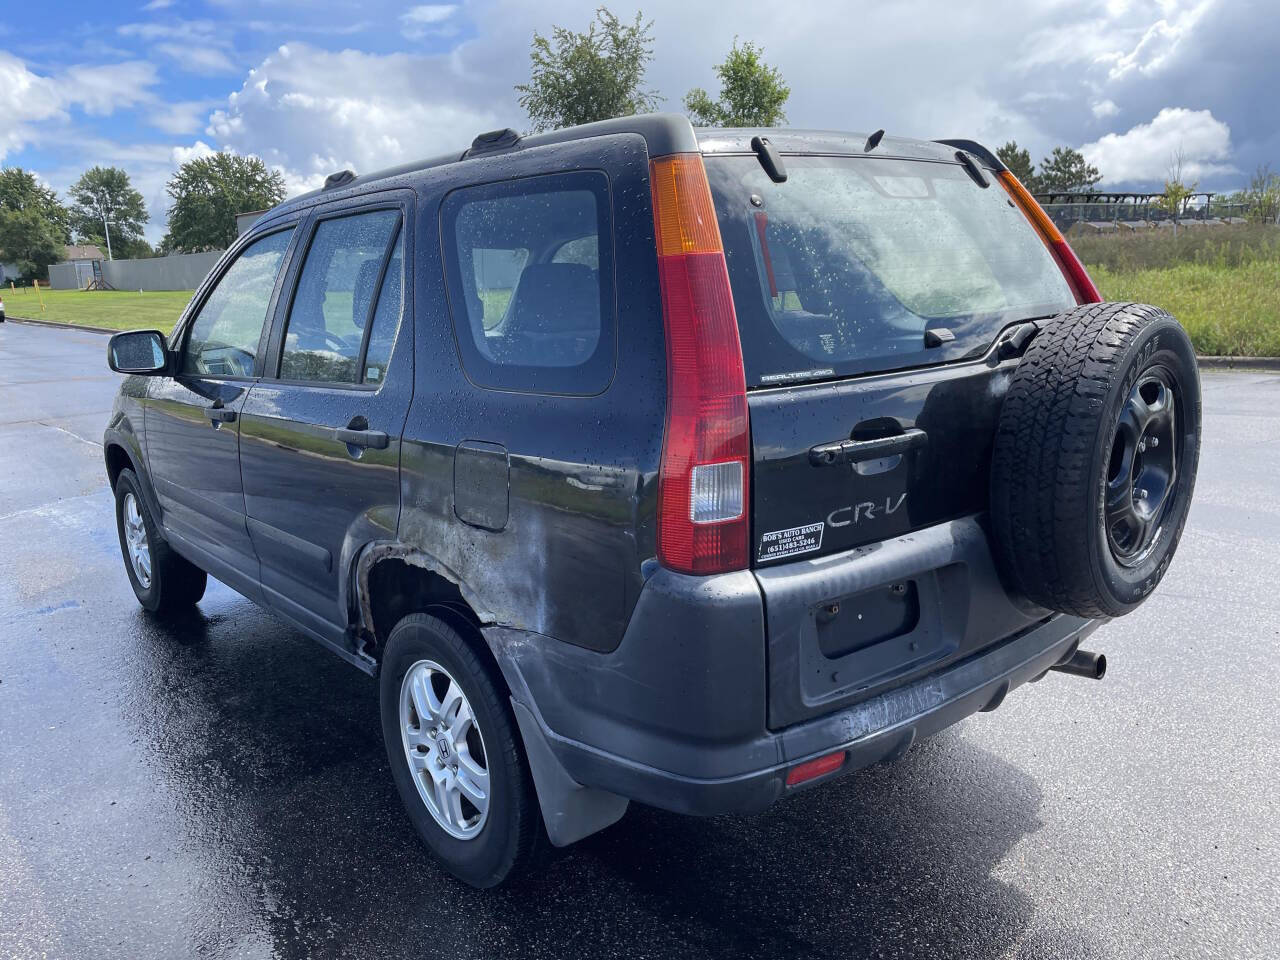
pixel 870 292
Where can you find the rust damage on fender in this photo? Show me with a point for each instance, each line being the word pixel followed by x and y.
pixel 374 554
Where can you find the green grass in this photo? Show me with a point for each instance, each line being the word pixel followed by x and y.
pixel 1222 283
pixel 114 309
pixel 1228 311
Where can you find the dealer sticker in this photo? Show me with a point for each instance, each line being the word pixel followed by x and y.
pixel 787 543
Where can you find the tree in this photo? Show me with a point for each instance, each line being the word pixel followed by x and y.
pixel 1019 163
pixel 207 194
pixel 1263 195
pixel 1067 171
pixel 752 93
pixel 1176 192
pixel 33 224
pixel 581 77
pixel 105 207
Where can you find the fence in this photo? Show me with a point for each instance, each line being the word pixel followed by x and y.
pixel 182 271
pixel 1105 212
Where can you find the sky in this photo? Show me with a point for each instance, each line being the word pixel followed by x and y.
pixel 313 88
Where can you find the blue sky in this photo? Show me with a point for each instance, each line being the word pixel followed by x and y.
pixel 314 87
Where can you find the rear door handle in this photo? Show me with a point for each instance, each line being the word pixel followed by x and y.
pixel 855 451
pixel 219 414
pixel 374 439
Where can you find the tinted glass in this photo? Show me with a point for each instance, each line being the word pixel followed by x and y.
pixel 842 268
pixel 326 326
pixel 224 337
pixel 526 316
pixel 386 317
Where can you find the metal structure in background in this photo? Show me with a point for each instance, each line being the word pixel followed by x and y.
pixel 1112 211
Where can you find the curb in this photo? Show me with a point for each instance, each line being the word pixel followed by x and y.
pixel 64 326
pixel 1239 363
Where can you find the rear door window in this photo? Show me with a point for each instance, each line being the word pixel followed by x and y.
pixel 847 265
pixel 333 304
pixel 529 266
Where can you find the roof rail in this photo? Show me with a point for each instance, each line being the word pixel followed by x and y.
pixel 339 179
pixel 493 140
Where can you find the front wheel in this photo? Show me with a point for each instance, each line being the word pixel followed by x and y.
pixel 455 754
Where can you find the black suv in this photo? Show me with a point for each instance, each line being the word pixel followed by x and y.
pixel 646 463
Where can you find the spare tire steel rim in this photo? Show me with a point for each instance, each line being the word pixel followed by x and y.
pixel 1143 468
pixel 445 750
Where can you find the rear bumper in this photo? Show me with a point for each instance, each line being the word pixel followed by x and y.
pixel 678 715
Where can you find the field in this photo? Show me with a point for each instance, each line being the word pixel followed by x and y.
pixel 1222 283
pixel 113 309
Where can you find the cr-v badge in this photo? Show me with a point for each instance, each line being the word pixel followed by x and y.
pixel 864 511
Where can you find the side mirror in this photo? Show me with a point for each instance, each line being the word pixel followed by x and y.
pixel 138 351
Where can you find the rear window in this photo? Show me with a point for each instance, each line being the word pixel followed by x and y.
pixel 530 275
pixel 843 268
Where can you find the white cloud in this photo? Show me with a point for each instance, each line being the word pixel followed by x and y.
pixel 181 116
pixel 1102 109
pixel 1160 42
pixel 195 46
pixel 417 22
pixel 158 5
pixel 203 60
pixel 309 112
pixel 29 101
pixel 1144 152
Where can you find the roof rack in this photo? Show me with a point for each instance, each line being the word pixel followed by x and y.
pixel 493 140
pixel 339 179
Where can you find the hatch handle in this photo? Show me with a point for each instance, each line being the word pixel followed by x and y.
pixel 855 451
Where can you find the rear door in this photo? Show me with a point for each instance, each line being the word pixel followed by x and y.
pixel 869 292
pixel 320 433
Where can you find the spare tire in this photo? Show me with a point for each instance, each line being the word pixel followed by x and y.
pixel 1095 458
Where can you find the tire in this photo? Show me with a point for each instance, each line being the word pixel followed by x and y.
pixel 1086 510
pixel 504 839
pixel 174 583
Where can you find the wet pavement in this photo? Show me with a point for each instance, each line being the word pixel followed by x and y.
pixel 217 787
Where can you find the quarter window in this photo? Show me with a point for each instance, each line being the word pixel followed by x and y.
pixel 332 315
pixel 530 275
pixel 223 341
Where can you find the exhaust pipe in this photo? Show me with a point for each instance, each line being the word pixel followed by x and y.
pixel 1082 663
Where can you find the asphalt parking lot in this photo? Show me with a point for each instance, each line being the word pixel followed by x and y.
pixel 217 787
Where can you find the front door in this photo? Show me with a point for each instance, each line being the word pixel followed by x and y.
pixel 320 433
pixel 192 419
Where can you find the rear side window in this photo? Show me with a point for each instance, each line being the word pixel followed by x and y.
pixel 529 265
pixel 223 341
pixel 333 305
pixel 844 267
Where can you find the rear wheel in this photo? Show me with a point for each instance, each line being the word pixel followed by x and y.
pixel 162 581
pixel 455 754
pixel 1095 458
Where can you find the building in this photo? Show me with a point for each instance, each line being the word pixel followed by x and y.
pixel 246 220
pixel 81 257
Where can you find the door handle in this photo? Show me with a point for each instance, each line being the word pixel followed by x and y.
pixel 855 451
pixel 374 439
pixel 219 414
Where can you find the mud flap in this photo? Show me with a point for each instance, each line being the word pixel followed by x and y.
pixel 570 810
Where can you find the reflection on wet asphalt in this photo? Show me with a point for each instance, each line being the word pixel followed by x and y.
pixel 216 785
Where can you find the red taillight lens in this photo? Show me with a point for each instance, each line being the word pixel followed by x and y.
pixel 812 769
pixel 1073 270
pixel 703 524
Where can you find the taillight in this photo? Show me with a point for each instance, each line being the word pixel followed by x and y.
pixel 703 526
pixel 1073 270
